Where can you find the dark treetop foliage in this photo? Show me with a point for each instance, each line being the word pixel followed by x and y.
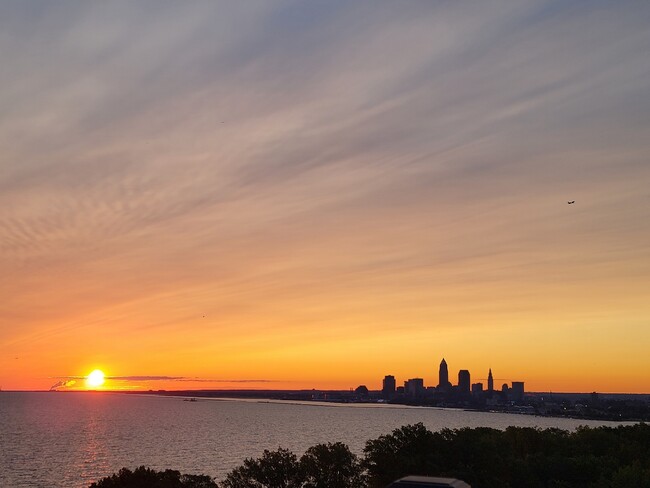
pixel 148 478
pixel 603 457
pixel 322 466
pixel 517 457
pixel 331 465
pixel 275 468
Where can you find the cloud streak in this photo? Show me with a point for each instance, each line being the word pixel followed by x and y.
pixel 67 381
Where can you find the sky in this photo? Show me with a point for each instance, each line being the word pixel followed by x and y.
pixel 287 194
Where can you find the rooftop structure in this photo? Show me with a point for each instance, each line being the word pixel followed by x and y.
pixel 428 482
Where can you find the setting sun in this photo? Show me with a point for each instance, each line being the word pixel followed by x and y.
pixel 95 379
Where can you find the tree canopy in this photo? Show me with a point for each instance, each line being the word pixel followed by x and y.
pixel 148 478
pixel 602 457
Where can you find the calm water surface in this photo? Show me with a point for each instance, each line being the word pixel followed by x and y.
pixel 72 439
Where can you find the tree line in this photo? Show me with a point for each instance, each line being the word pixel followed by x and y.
pixel 603 457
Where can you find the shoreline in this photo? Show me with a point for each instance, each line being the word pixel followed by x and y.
pixel 284 397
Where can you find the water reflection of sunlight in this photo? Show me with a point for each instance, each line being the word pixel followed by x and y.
pixel 93 450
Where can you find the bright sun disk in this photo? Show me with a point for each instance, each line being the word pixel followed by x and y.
pixel 95 379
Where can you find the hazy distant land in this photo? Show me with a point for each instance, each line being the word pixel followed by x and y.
pixel 609 406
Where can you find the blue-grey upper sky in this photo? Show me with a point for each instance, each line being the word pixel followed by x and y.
pixel 268 179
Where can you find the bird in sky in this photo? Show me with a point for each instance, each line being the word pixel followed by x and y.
pixel 572 201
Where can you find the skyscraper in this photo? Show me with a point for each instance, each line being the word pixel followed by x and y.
pixel 464 383
pixel 490 382
pixel 517 391
pixel 443 375
pixel 414 388
pixel 388 389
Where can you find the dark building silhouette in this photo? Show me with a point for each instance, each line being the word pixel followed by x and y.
pixel 477 388
pixel 490 382
pixel 388 388
pixel 464 383
pixel 362 391
pixel 414 388
pixel 517 391
pixel 443 376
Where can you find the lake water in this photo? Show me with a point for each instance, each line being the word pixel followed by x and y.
pixel 72 439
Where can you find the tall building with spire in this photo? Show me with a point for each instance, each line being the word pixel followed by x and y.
pixel 490 382
pixel 443 375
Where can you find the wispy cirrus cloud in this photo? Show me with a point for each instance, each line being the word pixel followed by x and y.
pixel 319 174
